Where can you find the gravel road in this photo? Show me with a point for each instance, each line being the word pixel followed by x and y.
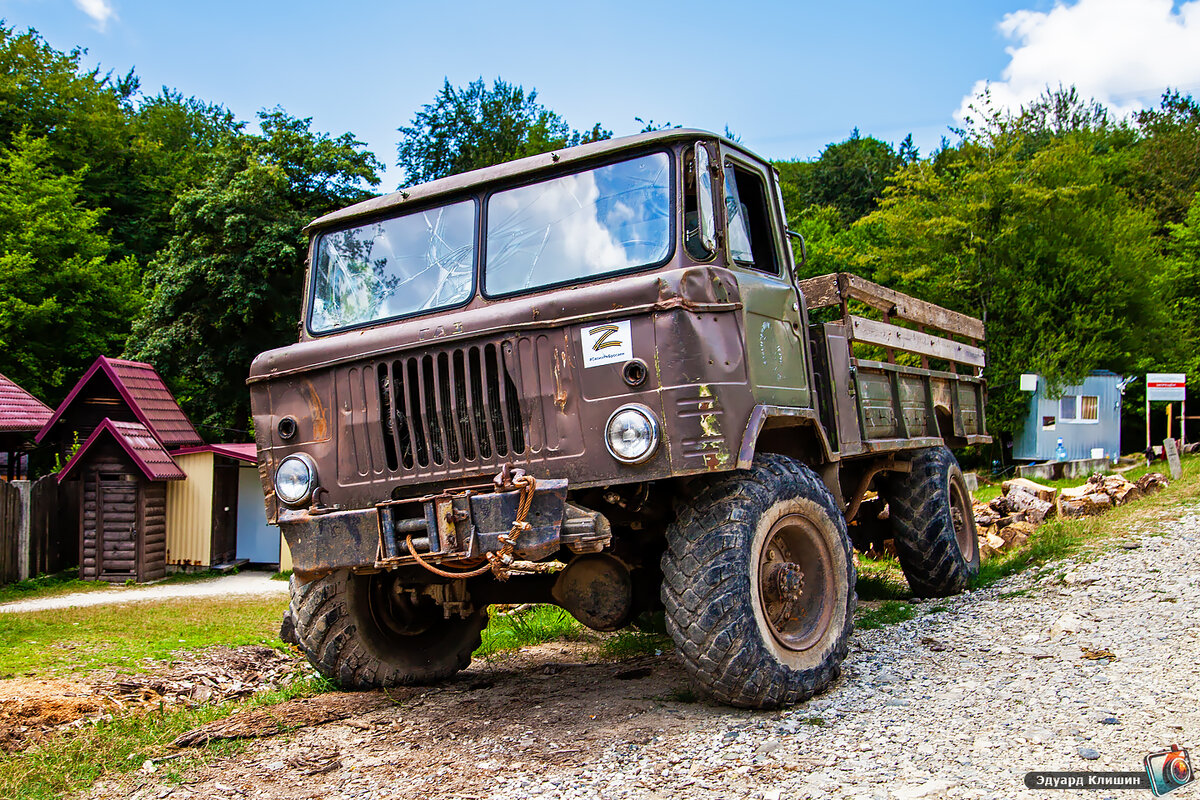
pixel 242 584
pixel 959 702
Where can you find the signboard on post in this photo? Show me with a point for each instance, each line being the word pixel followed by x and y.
pixel 1168 386
pixel 1173 458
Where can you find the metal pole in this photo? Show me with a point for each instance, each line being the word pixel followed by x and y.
pixel 1147 419
pixel 1183 422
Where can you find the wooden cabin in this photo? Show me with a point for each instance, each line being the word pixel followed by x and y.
pixel 124 471
pixel 152 496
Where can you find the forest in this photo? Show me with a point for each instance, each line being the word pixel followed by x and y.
pixel 162 228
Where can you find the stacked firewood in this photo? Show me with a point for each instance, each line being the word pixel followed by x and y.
pixel 1006 521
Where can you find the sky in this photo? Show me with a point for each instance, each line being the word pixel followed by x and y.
pixel 788 78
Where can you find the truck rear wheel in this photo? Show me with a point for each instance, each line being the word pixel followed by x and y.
pixel 933 525
pixel 759 585
pixel 361 632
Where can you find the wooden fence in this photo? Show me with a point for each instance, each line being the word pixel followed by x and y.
pixel 52 522
pixel 11 512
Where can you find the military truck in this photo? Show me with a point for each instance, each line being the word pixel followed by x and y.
pixel 593 378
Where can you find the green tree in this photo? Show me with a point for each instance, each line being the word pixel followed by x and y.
pixel 1038 242
pixel 64 299
pixel 1180 289
pixel 228 284
pixel 472 127
pixel 1166 174
pixel 849 176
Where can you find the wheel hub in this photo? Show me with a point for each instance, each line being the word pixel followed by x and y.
pixel 794 586
pixel 785 582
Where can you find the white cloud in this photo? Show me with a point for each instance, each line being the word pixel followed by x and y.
pixel 101 11
pixel 1123 53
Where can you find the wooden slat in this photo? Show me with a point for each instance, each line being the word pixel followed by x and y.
pixel 824 291
pixel 869 331
pixel 912 309
pixel 821 291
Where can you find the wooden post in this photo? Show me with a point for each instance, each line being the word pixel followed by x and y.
pixel 1183 421
pixel 1170 414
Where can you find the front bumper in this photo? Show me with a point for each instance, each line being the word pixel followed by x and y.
pixel 451 528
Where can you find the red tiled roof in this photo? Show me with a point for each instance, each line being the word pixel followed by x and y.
pixel 147 396
pixel 241 452
pixel 19 410
pixel 139 444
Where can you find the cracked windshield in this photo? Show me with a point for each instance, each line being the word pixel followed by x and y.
pixel 394 267
pixel 578 226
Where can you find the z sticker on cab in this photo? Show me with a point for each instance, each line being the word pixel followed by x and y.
pixel 607 343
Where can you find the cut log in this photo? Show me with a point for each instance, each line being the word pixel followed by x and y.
pixel 1047 493
pixel 1084 506
pixel 1152 482
pixel 1035 508
pixel 1017 534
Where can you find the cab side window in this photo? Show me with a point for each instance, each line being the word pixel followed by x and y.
pixel 749 220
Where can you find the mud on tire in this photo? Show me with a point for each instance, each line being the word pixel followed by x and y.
pixel 933 525
pixel 732 637
pixel 357 631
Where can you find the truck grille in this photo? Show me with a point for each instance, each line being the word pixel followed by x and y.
pixel 458 406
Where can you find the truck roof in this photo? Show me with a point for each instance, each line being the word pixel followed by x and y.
pixel 507 171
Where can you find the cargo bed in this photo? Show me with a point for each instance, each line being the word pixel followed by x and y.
pixel 886 382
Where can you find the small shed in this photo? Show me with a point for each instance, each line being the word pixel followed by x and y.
pixel 124 470
pixel 21 416
pixel 1086 416
pixel 217 515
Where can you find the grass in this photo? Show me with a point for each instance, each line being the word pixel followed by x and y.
pixel 889 612
pixel 632 644
pixel 881 579
pixel 47 643
pixel 536 625
pixel 65 582
pixel 67 762
pixel 282 576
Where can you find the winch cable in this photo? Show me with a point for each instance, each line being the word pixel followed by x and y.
pixel 500 560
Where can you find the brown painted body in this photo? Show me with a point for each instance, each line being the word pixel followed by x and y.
pixel 732 366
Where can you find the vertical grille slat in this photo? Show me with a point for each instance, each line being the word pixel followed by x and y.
pixel 448 409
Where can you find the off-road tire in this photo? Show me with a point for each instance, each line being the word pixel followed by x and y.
pixel 711 569
pixel 921 506
pixel 339 632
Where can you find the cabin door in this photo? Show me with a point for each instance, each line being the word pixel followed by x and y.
pixel 117 536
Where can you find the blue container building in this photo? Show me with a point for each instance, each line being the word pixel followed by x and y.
pixel 1086 416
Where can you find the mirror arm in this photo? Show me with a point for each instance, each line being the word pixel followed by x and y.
pixel 803 248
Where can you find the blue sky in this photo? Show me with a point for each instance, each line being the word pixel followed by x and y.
pixel 788 78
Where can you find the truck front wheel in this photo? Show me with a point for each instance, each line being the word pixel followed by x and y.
pixel 933 525
pixel 365 632
pixel 759 585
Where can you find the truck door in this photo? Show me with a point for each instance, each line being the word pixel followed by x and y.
pixel 774 347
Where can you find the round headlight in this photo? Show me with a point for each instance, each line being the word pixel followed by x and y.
pixel 632 434
pixel 295 479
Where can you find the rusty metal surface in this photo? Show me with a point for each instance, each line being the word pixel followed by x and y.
pixel 597 590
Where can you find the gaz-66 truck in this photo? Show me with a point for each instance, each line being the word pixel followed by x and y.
pixel 593 378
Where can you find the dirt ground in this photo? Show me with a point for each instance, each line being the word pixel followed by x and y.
pixel 32 708
pixel 547 708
